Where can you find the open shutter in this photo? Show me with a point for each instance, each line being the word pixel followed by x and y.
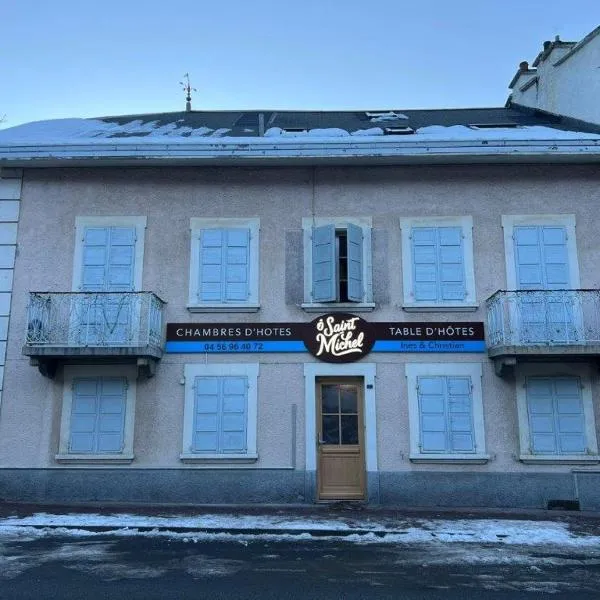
pixel 324 266
pixel 460 415
pixel 355 263
pixel 451 264
pixel 237 265
pixel 234 415
pixel 432 414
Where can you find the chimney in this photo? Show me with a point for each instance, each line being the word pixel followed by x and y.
pixel 547 45
pixel 524 66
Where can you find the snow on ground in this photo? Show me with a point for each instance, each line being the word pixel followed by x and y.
pixel 476 531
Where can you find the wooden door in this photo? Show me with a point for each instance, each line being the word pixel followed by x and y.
pixel 340 430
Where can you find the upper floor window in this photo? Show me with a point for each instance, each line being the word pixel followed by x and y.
pixel 224 265
pixel 337 265
pixel 437 263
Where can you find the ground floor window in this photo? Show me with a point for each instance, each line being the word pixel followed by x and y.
pixel 220 412
pixel 445 412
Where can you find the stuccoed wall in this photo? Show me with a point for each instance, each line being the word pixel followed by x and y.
pixel 281 197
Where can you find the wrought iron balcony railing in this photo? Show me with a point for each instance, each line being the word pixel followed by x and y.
pixel 94 320
pixel 552 318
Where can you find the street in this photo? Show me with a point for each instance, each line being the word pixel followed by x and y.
pixel 65 565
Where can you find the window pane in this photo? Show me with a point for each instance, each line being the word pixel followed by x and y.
pixel 330 398
pixel 348 399
pixel 349 429
pixel 331 431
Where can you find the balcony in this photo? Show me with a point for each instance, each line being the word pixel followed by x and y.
pixel 542 325
pixel 96 327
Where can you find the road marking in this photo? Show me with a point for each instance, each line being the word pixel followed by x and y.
pixel 280 570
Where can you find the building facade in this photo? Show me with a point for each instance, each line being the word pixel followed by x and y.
pixel 396 308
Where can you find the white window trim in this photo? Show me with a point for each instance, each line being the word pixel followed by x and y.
pixel 581 370
pixel 252 304
pixel 472 370
pixel 191 371
pixel 466 225
pixel 366 224
pixel 117 221
pixel 509 222
pixel 368 372
pixel 72 372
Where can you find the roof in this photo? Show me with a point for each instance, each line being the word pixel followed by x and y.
pixel 214 136
pixel 586 40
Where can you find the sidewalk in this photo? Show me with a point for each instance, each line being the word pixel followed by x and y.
pixel 329 520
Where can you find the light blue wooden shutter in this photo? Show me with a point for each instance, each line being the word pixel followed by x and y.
pixel 555 412
pixel 438 264
pixel 355 263
pixel 446 414
pixel 220 419
pixel 98 415
pixel 324 265
pixel 224 265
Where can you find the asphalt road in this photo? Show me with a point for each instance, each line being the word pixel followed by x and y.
pixel 132 567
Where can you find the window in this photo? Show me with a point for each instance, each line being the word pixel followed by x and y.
pixel 98 414
pixel 224 265
pixel 337 266
pixel 220 413
pixel 445 412
pixel 556 419
pixel 437 263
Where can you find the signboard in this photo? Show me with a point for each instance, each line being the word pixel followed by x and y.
pixel 334 337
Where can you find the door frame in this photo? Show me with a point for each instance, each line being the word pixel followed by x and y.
pixel 367 371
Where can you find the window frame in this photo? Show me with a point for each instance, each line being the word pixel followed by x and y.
pixel 72 372
pixel 191 371
pixel 551 370
pixel 465 223
pixel 473 370
pixel 340 223
pixel 253 303
pixel 82 222
pixel 509 222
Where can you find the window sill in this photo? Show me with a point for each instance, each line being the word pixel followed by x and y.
pixel 352 307
pixel 218 458
pixel 223 308
pixel 450 459
pixel 95 458
pixel 424 307
pixel 557 459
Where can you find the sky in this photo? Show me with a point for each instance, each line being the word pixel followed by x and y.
pixel 90 58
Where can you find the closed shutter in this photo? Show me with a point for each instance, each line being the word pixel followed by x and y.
pixel 355 263
pixel 438 264
pixel 98 415
pixel 555 412
pixel 220 419
pixel 324 265
pixel 445 414
pixel 224 265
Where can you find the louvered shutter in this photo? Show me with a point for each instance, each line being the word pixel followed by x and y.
pixel 451 266
pixel 355 263
pixel 432 414
pixel 424 256
pixel 220 419
pixel 556 419
pixel 224 265
pixel 460 414
pixel 324 265
pixel 98 415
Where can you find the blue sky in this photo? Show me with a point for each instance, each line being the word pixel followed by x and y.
pixel 67 58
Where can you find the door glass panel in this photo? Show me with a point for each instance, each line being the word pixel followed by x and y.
pixel 330 429
pixel 348 398
pixel 329 395
pixel 349 429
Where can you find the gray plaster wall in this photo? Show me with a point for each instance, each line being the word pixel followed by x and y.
pixel 51 199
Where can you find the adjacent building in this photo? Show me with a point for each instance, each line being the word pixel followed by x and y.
pixel 397 307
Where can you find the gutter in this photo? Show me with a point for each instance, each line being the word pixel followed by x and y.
pixel 387 151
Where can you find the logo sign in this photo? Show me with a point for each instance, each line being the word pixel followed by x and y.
pixel 339 337
pixel 333 337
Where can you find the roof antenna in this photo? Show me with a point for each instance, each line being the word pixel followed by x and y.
pixel 188 89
